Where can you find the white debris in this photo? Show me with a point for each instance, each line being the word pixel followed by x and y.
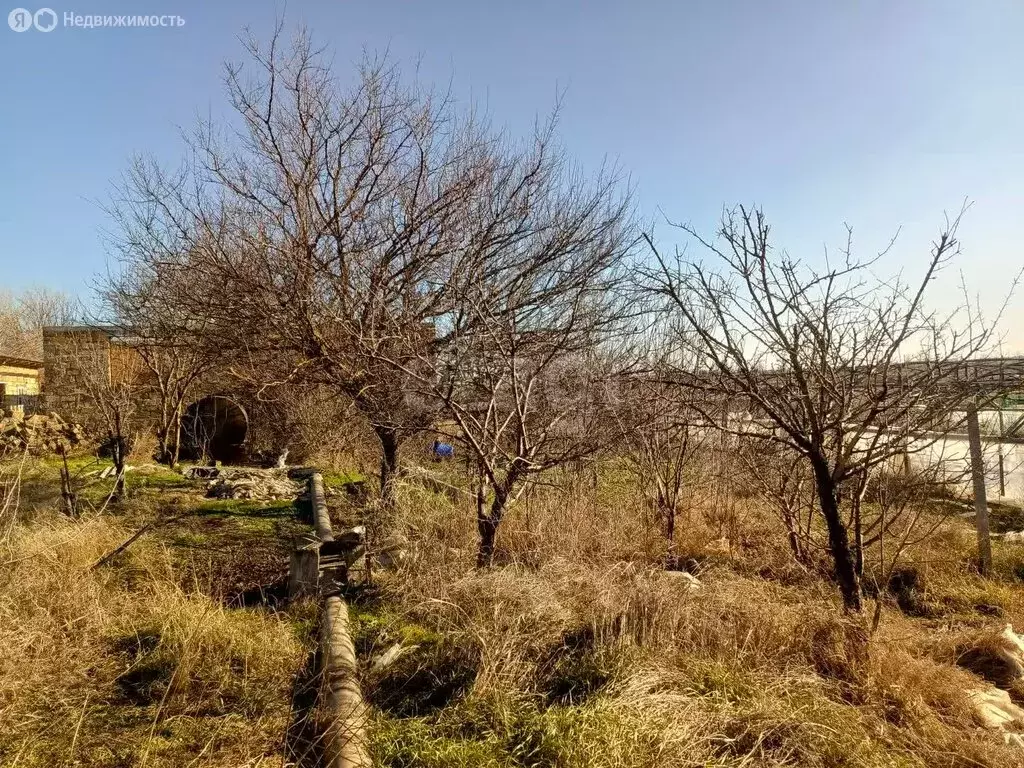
pixel 994 710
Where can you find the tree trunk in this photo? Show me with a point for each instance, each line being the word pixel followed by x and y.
pixel 388 437
pixel 858 540
pixel 163 445
pixel 794 546
pixel 118 451
pixel 668 514
pixel 67 492
pixel 859 491
pixel 838 538
pixel 487 525
pixel 176 453
pixel 118 457
pixel 488 530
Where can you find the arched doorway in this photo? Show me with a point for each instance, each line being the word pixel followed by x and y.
pixel 214 427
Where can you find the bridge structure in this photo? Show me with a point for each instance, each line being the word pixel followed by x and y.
pixel 983 385
pixel 994 385
pixel 1000 379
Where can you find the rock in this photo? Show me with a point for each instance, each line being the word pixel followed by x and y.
pixel 39 434
pixel 393 552
pixel 200 473
pixel 253 484
pixel 390 656
pixel 686 581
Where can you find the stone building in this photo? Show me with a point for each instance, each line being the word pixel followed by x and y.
pixel 76 359
pixel 93 372
pixel 19 384
pixel 82 361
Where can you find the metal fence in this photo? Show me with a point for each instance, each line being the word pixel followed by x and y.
pixel 23 405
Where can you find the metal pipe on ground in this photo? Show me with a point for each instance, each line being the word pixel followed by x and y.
pixel 318 500
pixel 345 733
pixel 345 736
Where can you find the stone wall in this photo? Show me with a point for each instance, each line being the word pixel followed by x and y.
pixel 19 380
pixel 85 364
pixel 75 360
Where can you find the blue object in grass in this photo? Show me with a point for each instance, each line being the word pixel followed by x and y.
pixel 442 450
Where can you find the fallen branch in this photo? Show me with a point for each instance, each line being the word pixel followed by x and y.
pixel 135 537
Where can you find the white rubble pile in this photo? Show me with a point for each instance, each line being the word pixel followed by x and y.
pixel 993 708
pixel 247 483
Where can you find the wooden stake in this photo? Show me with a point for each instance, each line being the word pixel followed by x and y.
pixel 304 569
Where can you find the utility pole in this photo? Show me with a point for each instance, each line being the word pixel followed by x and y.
pixel 978 479
pixel 1002 470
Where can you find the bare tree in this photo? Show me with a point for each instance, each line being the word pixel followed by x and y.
pixel 111 381
pixel 24 315
pixel 314 232
pixel 845 369
pixel 531 410
pixel 393 249
pixel 781 478
pixel 534 337
pixel 908 504
pixel 661 436
pixel 143 305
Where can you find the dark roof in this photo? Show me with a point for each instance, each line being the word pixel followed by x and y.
pixel 20 362
pixel 108 329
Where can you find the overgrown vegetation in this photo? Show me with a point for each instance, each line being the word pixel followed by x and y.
pixel 170 654
pixel 672 494
pixel 581 650
pixel 578 648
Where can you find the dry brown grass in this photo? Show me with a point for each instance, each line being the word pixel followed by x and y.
pixel 584 652
pixel 118 666
pixel 577 651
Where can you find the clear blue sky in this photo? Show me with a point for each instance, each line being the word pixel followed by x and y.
pixel 881 113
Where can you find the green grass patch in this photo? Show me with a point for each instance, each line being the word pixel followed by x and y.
pixel 416 743
pixel 234 549
pixel 245 507
pixel 159 479
pixel 375 628
pixel 430 672
pixel 77 464
pixel 499 733
pixel 339 479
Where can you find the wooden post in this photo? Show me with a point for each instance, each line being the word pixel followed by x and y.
pixel 304 569
pixel 980 501
pixel 345 736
